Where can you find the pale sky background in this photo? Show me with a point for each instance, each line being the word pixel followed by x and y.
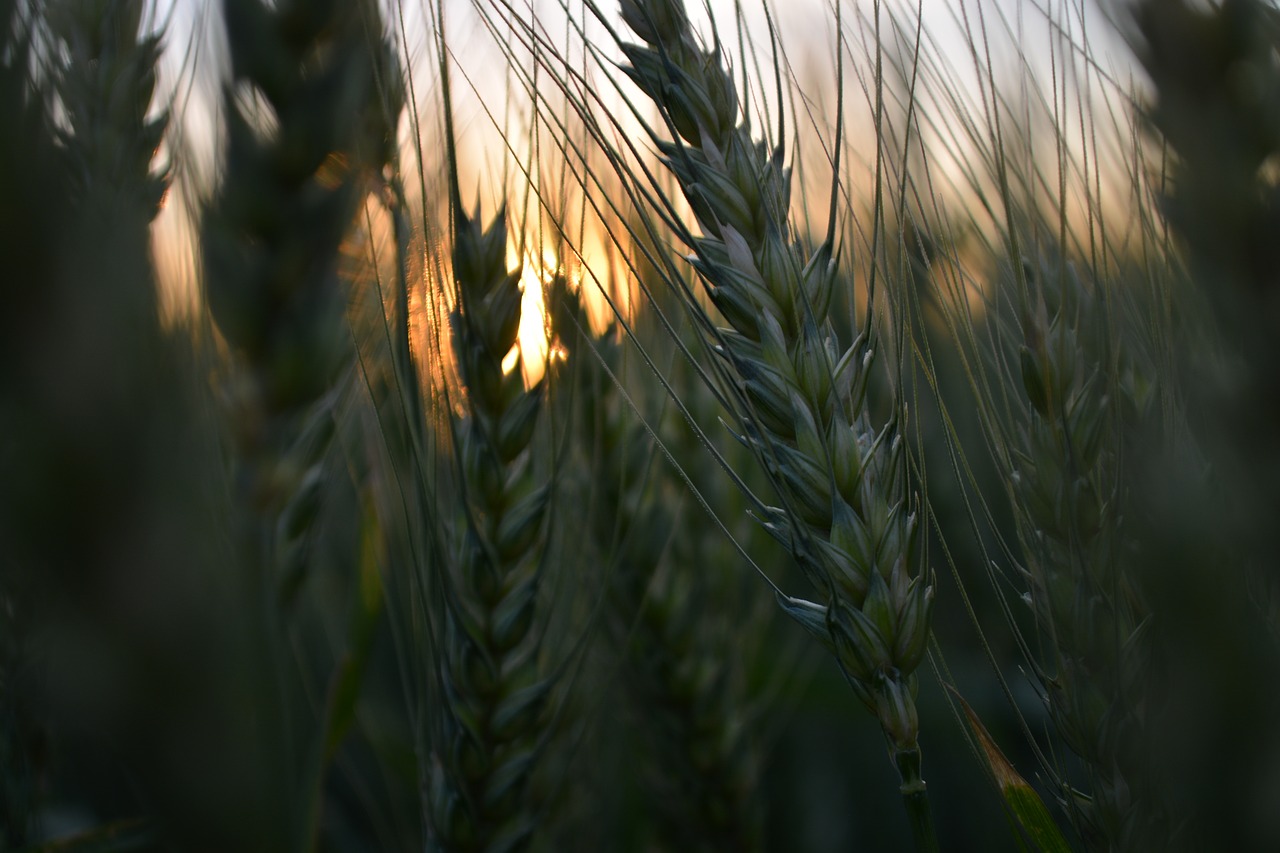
pixel 806 28
pixel 1019 32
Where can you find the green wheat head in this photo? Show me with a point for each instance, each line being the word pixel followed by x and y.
pixel 848 517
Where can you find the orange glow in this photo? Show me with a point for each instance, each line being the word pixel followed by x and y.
pixel 533 349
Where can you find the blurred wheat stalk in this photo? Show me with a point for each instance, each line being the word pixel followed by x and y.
pixel 679 659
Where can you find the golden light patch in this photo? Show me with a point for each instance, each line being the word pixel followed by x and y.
pixel 534 345
pixel 333 171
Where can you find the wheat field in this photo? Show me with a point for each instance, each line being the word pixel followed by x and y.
pixel 639 426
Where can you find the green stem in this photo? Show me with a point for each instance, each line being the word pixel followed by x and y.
pixel 915 797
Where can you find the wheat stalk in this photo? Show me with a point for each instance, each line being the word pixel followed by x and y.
pixel 681 674
pixel 848 517
pixel 1086 394
pixel 494 688
pixel 491 717
pixel 307 118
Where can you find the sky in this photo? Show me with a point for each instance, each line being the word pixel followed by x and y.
pixel 493 115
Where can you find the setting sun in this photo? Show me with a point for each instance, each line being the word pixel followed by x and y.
pixel 532 351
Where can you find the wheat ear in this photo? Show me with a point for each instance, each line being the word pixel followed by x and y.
pixel 494 690
pixel 848 518
pixel 1072 504
pixel 490 723
pixel 305 119
pixel 681 671
pixel 103 424
pixel 271 235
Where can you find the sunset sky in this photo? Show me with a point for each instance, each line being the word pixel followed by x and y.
pixel 494 117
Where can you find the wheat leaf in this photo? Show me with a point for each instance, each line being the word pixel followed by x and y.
pixel 1021 800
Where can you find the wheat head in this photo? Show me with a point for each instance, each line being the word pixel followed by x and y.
pixel 848 516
